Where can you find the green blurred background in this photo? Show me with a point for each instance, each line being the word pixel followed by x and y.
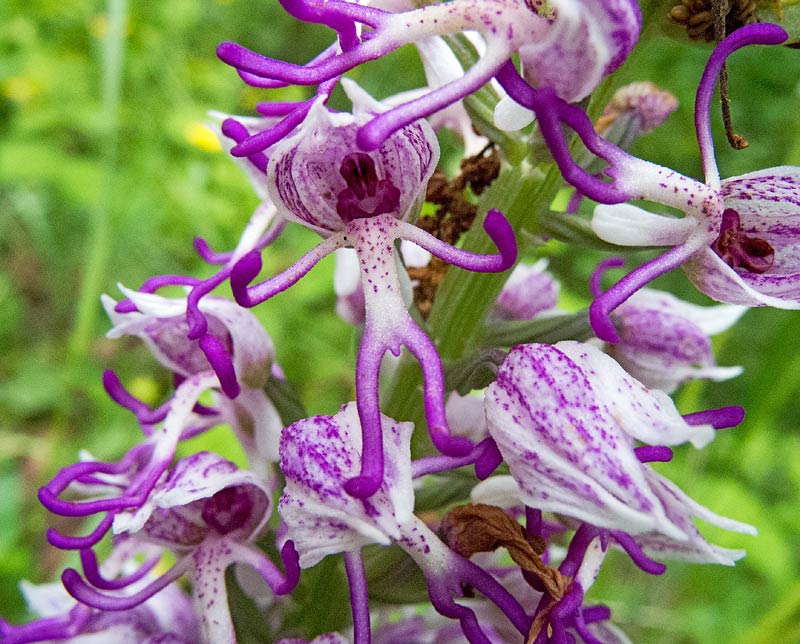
pixel 107 172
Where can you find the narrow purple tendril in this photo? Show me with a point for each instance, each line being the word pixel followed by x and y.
pixel 222 364
pixel 551 112
pixel 595 281
pixel 291 566
pixel 580 622
pixel 600 309
pixel 357 580
pixel 596 613
pixel 577 549
pixel 76 586
pixel 117 392
pixel 720 418
pixel 248 267
pixel 93 575
pixel 267 83
pixel 48 494
pixel 64 542
pixel 434 464
pixel 495 225
pixel 239 133
pixel 489 459
pixel 261 141
pixel 653 454
pixel 756 34
pixel 208 255
pixel 332 14
pixel 636 554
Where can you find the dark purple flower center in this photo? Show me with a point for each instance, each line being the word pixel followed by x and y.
pixel 228 510
pixel 365 195
pixel 738 250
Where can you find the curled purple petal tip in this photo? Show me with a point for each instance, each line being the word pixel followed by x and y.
pixel 501 233
pixel 222 364
pixel 242 274
pixel 291 564
pixel 600 319
pixel 721 418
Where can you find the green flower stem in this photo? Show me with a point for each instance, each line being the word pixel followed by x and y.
pixel 464 298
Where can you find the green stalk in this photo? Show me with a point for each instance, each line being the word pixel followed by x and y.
pixel 99 250
pixel 456 322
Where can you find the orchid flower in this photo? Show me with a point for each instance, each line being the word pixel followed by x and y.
pixel 528 291
pixel 362 200
pixel 262 229
pixel 161 324
pixel 167 618
pixel 665 341
pixel 318 456
pixel 207 512
pixel 567 44
pixel 735 241
pixel 565 417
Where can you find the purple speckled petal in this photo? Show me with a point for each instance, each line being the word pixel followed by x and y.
pixel 681 510
pixel 565 448
pixel 662 346
pixel 712 276
pixel 587 41
pixel 318 455
pixel 203 493
pixel 646 415
pixel 529 290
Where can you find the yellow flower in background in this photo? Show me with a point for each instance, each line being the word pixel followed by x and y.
pixel 200 136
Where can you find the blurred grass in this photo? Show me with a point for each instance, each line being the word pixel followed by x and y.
pixel 85 158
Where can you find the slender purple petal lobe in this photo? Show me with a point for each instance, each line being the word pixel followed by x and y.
pixel 567 44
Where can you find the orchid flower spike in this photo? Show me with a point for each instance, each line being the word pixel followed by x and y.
pixel 565 417
pixel 735 241
pixel 362 200
pixel 665 341
pixel 567 44
pixel 318 456
pixel 207 512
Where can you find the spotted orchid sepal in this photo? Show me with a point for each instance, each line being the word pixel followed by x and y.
pixel 564 418
pixel 361 200
pixel 318 456
pixel 665 341
pixel 208 512
pixel 710 241
pixel 543 35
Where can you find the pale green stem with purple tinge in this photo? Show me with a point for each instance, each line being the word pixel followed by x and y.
pixel 464 298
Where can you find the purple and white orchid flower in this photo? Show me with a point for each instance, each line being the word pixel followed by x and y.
pixel 319 179
pixel 567 44
pixel 160 322
pixel 207 512
pixel 565 417
pixel 665 341
pixel 318 456
pixel 736 241
pixel 168 618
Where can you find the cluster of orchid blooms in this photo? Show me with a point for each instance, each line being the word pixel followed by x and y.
pixel 559 437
